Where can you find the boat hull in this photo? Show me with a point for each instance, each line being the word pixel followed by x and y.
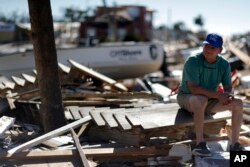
pixel 117 62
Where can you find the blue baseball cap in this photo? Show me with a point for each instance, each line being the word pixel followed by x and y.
pixel 215 40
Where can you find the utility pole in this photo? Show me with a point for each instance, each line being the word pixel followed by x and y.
pixel 42 33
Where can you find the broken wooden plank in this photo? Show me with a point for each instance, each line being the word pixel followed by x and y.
pixel 90 153
pixel 81 103
pixel 34 71
pixel 96 116
pixel 82 129
pixel 122 121
pixel 133 120
pixel 79 149
pixel 64 68
pixel 29 78
pixel 68 115
pixel 27 94
pixel 10 99
pixel 112 95
pixel 58 141
pixel 74 110
pixel 8 85
pixel 18 81
pixel 85 110
pixel 98 76
pixel 5 123
pixel 243 56
pixel 49 135
pixel 109 119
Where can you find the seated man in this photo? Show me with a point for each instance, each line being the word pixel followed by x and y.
pixel 198 94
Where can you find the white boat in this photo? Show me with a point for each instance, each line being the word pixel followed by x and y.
pixel 118 61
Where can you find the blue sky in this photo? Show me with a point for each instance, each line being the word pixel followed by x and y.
pixel 225 17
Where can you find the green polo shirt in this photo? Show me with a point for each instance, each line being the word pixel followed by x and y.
pixel 206 75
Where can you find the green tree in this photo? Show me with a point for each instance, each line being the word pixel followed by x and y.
pixel 73 14
pixel 14 17
pixel 179 26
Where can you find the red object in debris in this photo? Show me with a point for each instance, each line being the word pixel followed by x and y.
pixel 220 89
pixel 234 80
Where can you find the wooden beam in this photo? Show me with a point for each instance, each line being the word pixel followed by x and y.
pixel 81 103
pixel 82 129
pixel 79 149
pixel 49 135
pixel 64 68
pixel 90 153
pixel 116 95
pixel 241 55
pixel 98 76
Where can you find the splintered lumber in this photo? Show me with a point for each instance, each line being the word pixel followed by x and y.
pixel 108 117
pixel 8 85
pixel 96 153
pixel 82 129
pixel 116 95
pixel 5 123
pixel 96 116
pixel 10 99
pixel 18 81
pixel 122 121
pixel 57 141
pixel 74 110
pixel 114 118
pixel 79 149
pixel 98 76
pixel 63 72
pixel 68 115
pixel 81 103
pixel 29 78
pixel 49 135
pixel 27 95
pixel 64 68
pixel 133 120
pixel 85 110
pixel 243 56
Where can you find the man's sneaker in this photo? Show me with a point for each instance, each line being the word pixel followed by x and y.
pixel 237 147
pixel 201 150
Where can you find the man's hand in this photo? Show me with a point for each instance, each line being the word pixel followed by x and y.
pixel 225 98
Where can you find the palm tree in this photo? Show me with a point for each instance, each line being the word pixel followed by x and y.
pixel 199 20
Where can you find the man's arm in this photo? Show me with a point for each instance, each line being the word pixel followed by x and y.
pixel 195 89
pixel 228 89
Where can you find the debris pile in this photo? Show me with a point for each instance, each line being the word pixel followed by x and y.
pixel 109 124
